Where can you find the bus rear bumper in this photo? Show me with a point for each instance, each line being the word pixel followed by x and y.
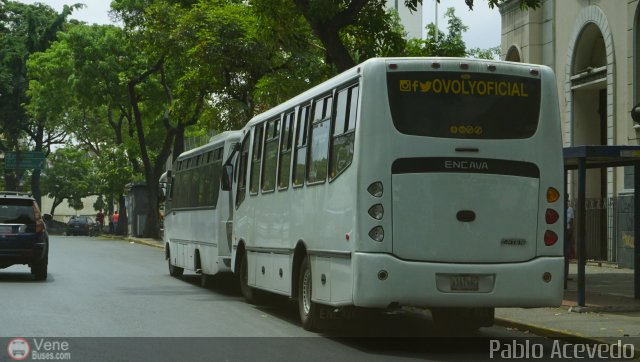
pixel 381 280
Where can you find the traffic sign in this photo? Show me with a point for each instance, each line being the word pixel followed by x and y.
pixel 23 160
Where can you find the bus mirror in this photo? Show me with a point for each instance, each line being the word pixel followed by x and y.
pixel 162 192
pixel 227 176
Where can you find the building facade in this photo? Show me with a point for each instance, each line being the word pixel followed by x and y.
pixel 593 46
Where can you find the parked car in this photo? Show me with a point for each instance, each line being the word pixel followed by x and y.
pixel 23 233
pixel 82 225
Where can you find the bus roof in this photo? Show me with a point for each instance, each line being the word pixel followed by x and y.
pixel 215 141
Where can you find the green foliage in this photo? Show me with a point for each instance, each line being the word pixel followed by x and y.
pixel 524 4
pixel 376 32
pixel 113 170
pixel 69 175
pixel 491 53
pixel 446 45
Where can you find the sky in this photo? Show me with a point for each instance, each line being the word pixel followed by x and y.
pixel 484 23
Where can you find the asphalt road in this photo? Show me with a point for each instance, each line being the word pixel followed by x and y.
pixel 110 288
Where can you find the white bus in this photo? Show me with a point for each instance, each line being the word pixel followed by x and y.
pixel 197 220
pixel 426 182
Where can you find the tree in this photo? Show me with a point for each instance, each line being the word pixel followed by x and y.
pixel 202 57
pixel 447 45
pixel 68 175
pixel 330 18
pixel 26 29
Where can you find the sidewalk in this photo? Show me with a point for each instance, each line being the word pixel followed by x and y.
pixel 611 313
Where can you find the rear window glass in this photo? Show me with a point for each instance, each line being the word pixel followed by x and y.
pixel 16 212
pixel 464 105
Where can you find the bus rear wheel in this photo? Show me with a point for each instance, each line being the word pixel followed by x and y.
pixel 250 294
pixel 309 311
pixel 175 271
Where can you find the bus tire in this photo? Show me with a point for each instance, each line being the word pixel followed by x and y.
pixel 175 271
pixel 251 295
pixel 205 280
pixel 309 311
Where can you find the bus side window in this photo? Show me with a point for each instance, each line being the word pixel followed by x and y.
pixel 318 146
pixel 269 166
pixel 242 171
pixel 301 146
pixel 285 151
pixel 256 159
pixel 343 131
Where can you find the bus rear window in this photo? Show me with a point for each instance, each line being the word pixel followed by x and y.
pixel 464 105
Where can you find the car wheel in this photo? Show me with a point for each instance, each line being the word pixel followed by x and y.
pixel 39 269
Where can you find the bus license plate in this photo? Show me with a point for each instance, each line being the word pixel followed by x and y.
pixel 465 283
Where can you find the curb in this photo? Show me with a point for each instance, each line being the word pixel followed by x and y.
pixel 563 335
pixel 145 242
pixel 128 239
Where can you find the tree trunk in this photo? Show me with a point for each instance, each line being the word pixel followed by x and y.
pixel 337 53
pixel 152 225
pixel 123 221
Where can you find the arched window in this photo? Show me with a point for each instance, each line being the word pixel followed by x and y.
pixel 513 55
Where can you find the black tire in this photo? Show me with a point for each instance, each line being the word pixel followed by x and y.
pixel 39 269
pixel 250 294
pixel 308 310
pixel 205 280
pixel 175 271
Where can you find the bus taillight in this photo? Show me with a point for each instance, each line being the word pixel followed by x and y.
pixel 551 216
pixel 552 194
pixel 550 238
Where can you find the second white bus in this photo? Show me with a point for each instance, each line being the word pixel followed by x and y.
pixel 198 216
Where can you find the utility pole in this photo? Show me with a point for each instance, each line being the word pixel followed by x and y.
pixel 436 1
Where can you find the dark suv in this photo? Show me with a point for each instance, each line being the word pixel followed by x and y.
pixel 23 234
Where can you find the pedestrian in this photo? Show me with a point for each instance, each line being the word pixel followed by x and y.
pixel 570 247
pixel 116 218
pixel 100 220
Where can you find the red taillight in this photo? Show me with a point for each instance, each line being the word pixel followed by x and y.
pixel 393 66
pixel 38 217
pixel 550 238
pixel 551 216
